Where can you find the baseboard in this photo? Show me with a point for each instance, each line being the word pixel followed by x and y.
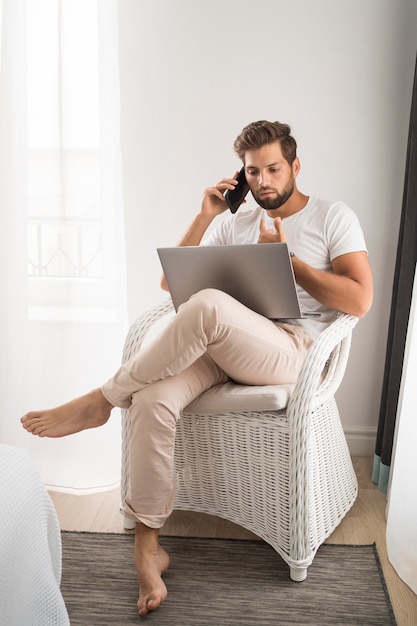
pixel 361 441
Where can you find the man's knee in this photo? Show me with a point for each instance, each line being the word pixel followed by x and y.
pixel 210 300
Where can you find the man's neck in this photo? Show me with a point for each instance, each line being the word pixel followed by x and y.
pixel 296 203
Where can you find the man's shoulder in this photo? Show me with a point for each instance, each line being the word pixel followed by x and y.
pixel 337 218
pixel 325 205
pixel 327 208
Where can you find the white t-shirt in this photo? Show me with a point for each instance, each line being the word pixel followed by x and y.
pixel 317 234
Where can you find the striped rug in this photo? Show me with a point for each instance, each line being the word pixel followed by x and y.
pixel 220 582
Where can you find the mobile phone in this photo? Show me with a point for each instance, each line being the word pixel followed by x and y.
pixel 234 197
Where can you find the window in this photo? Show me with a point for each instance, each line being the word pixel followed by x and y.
pixel 71 217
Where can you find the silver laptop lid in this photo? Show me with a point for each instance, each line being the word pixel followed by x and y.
pixel 258 275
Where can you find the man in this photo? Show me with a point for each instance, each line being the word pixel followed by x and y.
pixel 213 337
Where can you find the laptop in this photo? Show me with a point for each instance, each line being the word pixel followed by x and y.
pixel 260 276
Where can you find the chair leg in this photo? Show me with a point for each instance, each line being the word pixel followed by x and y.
pixel 298 574
pixel 128 524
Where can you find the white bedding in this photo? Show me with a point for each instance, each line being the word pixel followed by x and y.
pixel 30 546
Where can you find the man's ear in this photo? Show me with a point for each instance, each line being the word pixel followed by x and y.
pixel 296 166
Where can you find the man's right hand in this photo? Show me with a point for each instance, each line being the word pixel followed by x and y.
pixel 214 202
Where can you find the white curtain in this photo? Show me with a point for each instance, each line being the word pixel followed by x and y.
pixel 402 495
pixel 62 259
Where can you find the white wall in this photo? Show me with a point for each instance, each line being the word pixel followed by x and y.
pixel 193 74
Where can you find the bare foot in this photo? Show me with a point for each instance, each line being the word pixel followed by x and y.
pixel 151 562
pixel 89 411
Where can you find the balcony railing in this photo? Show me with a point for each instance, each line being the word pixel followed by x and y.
pixel 65 248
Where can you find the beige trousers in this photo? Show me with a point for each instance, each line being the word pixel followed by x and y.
pixel 211 339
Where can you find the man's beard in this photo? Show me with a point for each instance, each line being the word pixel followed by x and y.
pixel 270 203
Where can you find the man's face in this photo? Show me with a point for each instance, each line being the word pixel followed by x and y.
pixel 270 177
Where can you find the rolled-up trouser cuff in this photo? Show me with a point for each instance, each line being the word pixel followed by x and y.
pixel 152 521
pixel 110 393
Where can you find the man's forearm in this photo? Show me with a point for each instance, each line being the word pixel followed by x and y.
pixel 196 230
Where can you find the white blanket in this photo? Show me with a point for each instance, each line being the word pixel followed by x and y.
pixel 30 546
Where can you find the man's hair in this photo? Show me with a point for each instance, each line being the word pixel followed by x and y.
pixel 258 134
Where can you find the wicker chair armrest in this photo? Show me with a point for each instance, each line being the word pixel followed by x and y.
pixel 326 361
pixel 323 369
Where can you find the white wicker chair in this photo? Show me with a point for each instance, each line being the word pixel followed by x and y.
pixel 272 459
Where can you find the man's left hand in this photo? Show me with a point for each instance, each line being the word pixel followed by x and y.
pixel 271 235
